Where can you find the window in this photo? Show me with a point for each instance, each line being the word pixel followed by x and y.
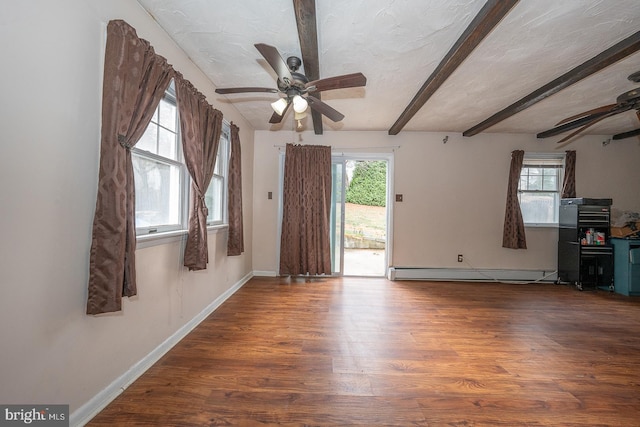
pixel 216 195
pixel 161 177
pixel 539 188
pixel 162 181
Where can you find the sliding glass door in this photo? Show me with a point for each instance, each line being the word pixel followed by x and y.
pixel 359 215
pixel 337 216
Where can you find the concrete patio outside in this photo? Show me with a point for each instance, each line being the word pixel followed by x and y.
pixel 364 262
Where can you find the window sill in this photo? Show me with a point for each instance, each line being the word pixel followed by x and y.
pixel 156 239
pixel 535 225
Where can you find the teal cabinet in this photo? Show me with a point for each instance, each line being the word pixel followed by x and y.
pixel 626 266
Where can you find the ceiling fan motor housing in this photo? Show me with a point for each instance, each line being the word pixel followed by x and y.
pixel 297 86
pixel 300 78
pixel 633 96
pixel 635 77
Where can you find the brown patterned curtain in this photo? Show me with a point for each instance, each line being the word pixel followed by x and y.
pixel 569 182
pixel 305 247
pixel 200 127
pixel 235 242
pixel 135 79
pixel 513 236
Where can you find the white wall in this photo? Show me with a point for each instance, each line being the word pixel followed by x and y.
pixel 51 352
pixel 454 193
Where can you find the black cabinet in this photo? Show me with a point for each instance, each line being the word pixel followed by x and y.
pixel 585 257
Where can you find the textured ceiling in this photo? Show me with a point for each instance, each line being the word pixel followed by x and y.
pixel 397 44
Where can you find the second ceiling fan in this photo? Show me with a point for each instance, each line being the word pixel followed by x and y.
pixel 297 89
pixel 625 102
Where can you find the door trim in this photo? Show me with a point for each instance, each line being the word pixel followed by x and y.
pixel 389 158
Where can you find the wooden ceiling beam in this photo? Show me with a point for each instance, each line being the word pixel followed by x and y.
pixel 488 17
pixel 308 34
pixel 614 54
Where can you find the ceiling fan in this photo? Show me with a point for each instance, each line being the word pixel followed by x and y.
pixel 627 101
pixel 296 87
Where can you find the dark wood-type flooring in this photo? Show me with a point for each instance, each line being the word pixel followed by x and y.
pixel 351 351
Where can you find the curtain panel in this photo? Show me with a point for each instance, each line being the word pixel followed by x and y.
pixel 200 127
pixel 513 236
pixel 135 79
pixel 235 242
pixel 569 182
pixel 305 247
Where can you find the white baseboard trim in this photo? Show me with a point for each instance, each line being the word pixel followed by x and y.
pixel 259 273
pixel 463 274
pixel 97 403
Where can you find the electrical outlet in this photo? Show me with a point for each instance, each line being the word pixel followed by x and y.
pixel 460 258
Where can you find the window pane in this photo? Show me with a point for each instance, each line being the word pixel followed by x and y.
pixel 157 192
pixel 213 199
pixel 217 168
pixel 539 196
pixel 550 182
pixel 539 207
pixel 167 144
pixel 168 115
pixel 217 192
pixel 534 182
pixel 148 140
pixel 523 183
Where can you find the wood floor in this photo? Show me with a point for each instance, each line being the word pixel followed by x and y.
pixel 373 352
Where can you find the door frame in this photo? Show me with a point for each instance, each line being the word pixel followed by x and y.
pixel 342 157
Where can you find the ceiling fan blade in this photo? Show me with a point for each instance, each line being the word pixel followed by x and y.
pixel 245 90
pixel 325 109
pixel 274 59
pixel 579 131
pixel 276 118
pixel 569 126
pixel 602 109
pixel 629 134
pixel 338 82
pixel 583 121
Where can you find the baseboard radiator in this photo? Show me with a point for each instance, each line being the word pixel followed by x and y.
pixel 471 275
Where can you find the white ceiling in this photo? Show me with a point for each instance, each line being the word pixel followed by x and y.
pixel 397 44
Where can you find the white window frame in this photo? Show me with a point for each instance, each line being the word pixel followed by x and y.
pixel 161 234
pixel 550 160
pixel 184 177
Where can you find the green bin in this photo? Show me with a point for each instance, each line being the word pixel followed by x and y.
pixel 634 270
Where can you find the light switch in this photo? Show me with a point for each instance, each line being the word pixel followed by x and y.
pixel 398 197
pixel 270 195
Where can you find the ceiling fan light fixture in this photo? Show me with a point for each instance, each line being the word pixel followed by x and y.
pixel 300 116
pixel 279 106
pixel 299 104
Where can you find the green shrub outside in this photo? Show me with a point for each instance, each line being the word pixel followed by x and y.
pixel 368 184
